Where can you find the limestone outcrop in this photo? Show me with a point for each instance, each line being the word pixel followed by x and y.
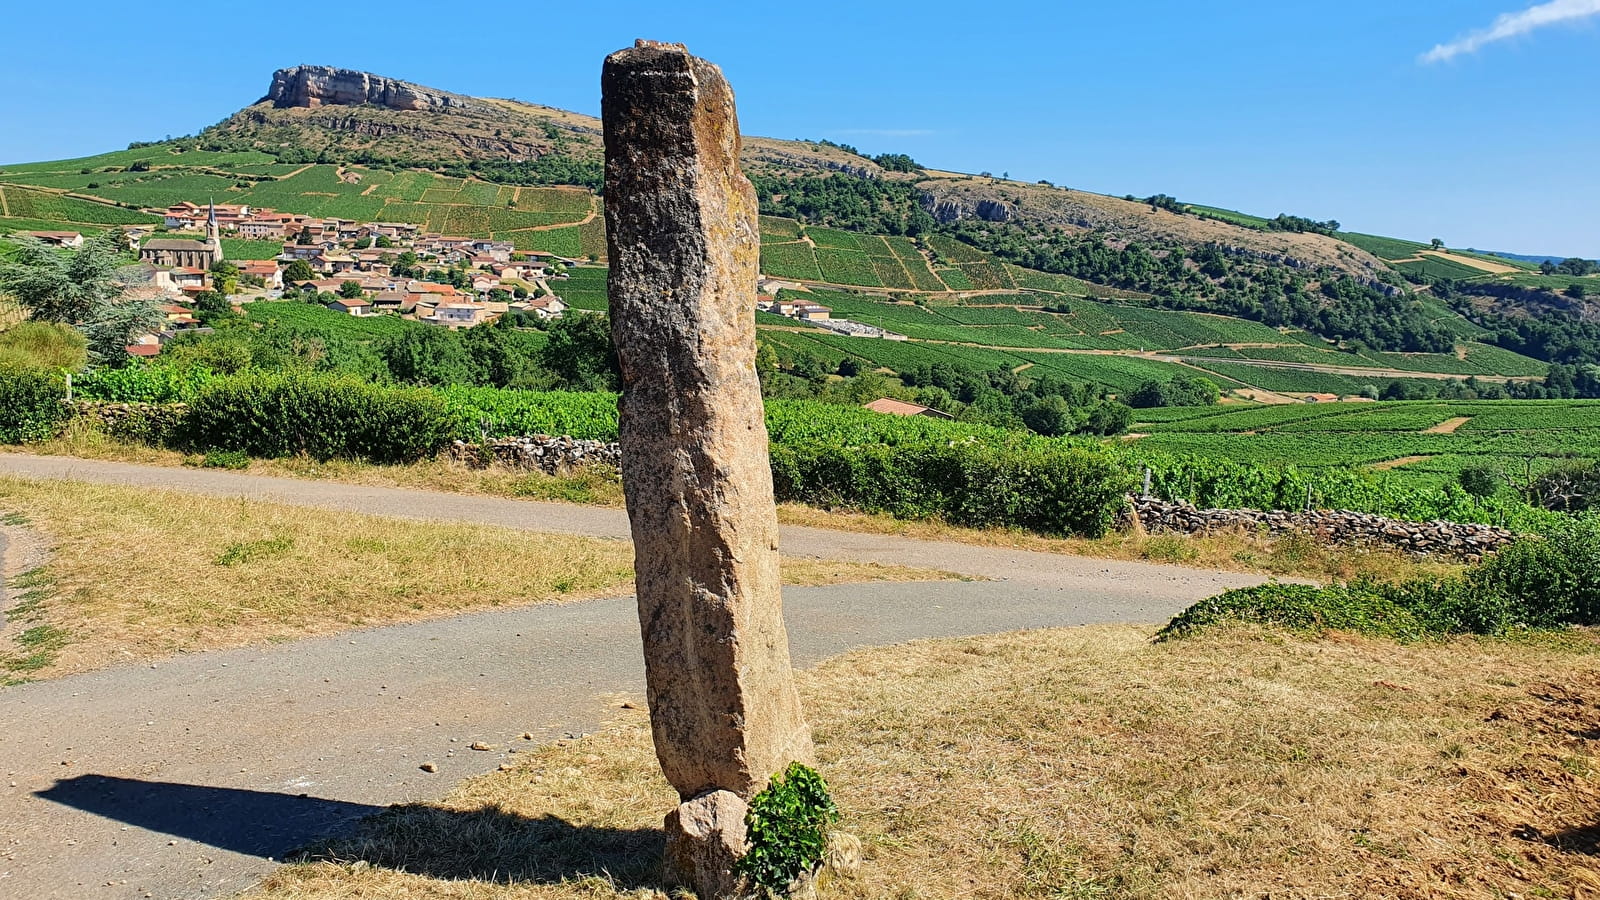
pixel 682 232
pixel 313 86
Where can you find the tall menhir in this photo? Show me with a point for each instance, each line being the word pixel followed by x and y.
pixel 682 230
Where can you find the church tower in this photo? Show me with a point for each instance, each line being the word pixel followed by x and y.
pixel 213 234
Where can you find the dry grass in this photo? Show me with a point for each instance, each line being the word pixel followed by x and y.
pixel 1233 551
pixel 1089 763
pixel 593 488
pixel 141 573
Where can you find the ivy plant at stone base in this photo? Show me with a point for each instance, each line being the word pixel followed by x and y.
pixel 787 827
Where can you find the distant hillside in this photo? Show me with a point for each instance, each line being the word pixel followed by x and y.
pixel 1523 257
pixel 336 142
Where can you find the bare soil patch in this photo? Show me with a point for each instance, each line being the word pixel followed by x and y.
pixel 1481 265
pixel 1448 426
pixel 1397 463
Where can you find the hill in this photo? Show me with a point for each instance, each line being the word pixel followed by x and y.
pixel 340 143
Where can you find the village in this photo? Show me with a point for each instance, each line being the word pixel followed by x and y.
pixel 363 269
pixel 355 268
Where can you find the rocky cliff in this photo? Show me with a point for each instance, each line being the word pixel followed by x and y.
pixel 312 86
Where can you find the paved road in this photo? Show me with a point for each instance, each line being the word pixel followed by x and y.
pixel 186 778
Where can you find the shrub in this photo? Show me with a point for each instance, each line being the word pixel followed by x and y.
pixel 144 384
pixel 1546 581
pixel 32 405
pixel 787 826
pixel 1050 489
pixel 1299 607
pixel 319 416
pixel 225 459
pixel 43 345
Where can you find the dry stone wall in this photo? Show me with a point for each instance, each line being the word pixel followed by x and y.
pixel 551 455
pixel 1462 540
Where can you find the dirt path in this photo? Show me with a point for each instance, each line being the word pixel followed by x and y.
pixel 4 209
pixel 187 778
pixel 1388 464
pixel 1448 426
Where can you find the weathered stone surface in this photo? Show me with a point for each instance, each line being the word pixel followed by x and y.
pixel 705 837
pixel 682 231
pixel 1462 540
pixel 313 86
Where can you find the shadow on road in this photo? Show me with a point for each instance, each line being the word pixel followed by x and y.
pixel 260 823
pixel 489 843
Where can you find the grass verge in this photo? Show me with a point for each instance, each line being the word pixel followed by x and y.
pixel 138 573
pixel 1087 763
pixel 1231 550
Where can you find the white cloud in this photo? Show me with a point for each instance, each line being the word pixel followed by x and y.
pixel 1514 24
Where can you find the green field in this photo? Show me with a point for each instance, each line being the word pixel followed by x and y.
pixel 1382 247
pixel 1509 435
pixel 241 249
pixel 1435 267
pixel 21 203
pixel 1229 215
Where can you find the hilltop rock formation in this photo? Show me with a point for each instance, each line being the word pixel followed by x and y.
pixel 313 86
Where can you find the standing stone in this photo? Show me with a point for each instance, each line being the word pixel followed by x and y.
pixel 684 245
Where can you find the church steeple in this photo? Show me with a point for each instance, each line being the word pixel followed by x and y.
pixel 213 233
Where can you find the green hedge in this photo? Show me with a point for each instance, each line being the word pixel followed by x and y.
pixel 1051 490
pixel 319 416
pixel 32 405
pixel 1542 582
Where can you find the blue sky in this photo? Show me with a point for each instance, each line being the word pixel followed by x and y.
pixel 1471 121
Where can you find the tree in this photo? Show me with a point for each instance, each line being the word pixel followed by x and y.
pixel 56 286
pixel 297 271
pixel 1049 416
pixel 383 242
pixel 405 265
pixel 1148 395
pixel 579 353
pixel 350 290
pixel 78 288
pixel 115 325
pixel 209 306
pixel 1479 481
pixel 1437 244
pixel 495 359
pixel 1108 418
pixel 426 356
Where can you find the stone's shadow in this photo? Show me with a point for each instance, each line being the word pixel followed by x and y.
pixel 491 843
pixel 484 844
pixel 260 823
pixel 1583 839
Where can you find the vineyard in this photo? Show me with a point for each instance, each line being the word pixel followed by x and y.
pixel 21 203
pixel 1333 456
pixel 1510 436
pixel 434 202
